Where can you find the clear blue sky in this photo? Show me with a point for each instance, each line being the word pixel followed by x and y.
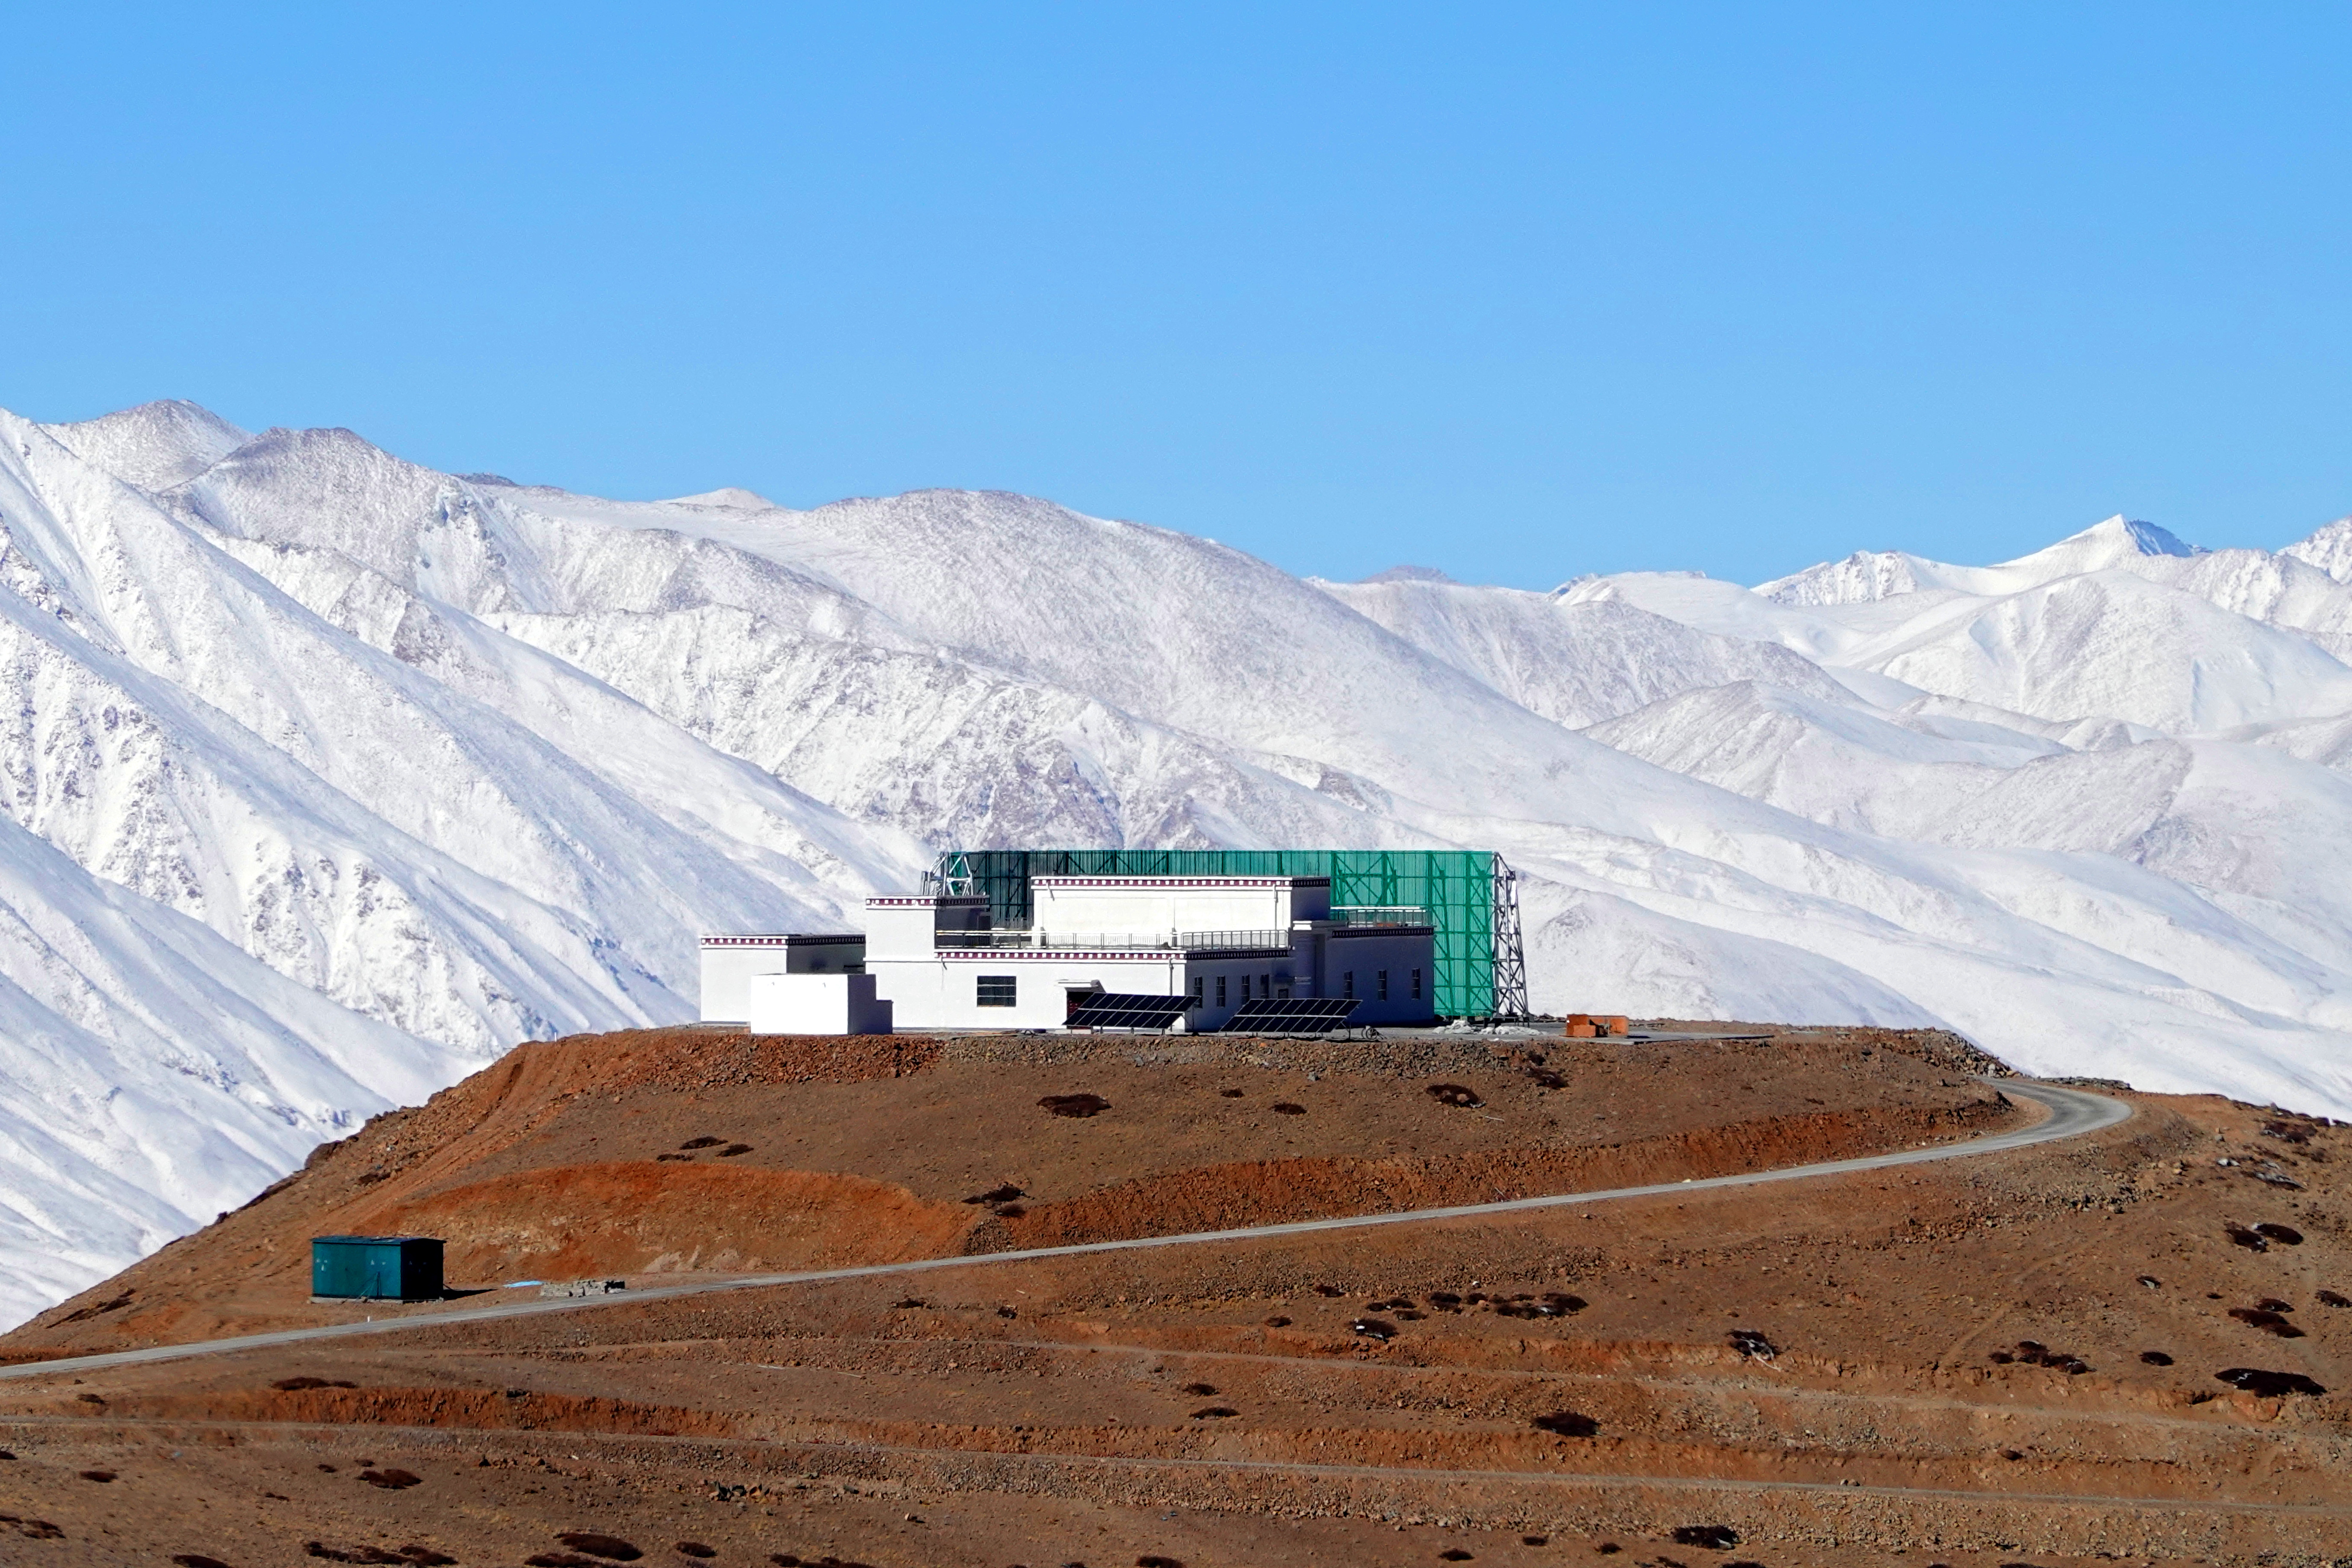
pixel 1517 292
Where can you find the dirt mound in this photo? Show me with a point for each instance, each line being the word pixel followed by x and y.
pixel 576 1221
pixel 474 1408
pixel 1269 1193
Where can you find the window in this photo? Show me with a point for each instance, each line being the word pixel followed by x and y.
pixel 1381 981
pixel 1198 982
pixel 1265 987
pixel 1348 984
pixel 1416 985
pixel 999 990
pixel 1221 990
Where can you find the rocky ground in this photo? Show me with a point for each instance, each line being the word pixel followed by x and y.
pixel 2001 1359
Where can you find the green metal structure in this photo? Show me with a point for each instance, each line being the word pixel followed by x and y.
pixel 376 1267
pixel 1470 894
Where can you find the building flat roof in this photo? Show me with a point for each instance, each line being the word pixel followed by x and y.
pixel 1179 881
pixel 783 939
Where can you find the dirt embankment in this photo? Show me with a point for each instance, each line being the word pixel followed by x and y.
pixel 1272 1191
pixel 696 1149
pixel 479 1409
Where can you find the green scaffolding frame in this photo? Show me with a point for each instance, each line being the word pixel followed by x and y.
pixel 1469 894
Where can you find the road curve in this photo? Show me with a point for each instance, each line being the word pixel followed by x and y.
pixel 2072 1112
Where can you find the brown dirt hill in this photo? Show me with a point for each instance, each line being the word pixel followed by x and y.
pixel 2008 1358
pixel 677 1150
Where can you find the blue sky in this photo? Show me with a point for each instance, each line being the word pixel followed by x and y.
pixel 1519 292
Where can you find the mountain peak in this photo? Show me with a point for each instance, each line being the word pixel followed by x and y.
pixel 2140 538
pixel 1409 574
pixel 731 497
pixel 154 446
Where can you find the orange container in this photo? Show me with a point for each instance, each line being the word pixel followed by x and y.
pixel 1582 1031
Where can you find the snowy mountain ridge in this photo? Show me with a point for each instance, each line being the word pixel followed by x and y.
pixel 350 774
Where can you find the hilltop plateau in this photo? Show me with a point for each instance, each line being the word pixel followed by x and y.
pixel 2007 1353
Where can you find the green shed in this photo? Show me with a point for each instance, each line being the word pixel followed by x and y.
pixel 376 1267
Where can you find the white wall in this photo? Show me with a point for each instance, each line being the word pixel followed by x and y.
pixel 941 992
pixel 1102 906
pixel 730 964
pixel 904 925
pixel 817 1005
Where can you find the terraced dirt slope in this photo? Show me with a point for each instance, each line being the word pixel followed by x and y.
pixel 660 1153
pixel 2002 1359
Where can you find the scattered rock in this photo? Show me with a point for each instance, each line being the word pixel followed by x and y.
pixel 2333 1299
pixel 702 1142
pixel 1455 1094
pixel 597 1544
pixel 1199 1390
pixel 1714 1537
pixel 1566 1424
pixel 390 1480
pixel 1075 1104
pixel 1750 1342
pixel 1215 1413
pixel 694 1549
pixel 101 1477
pixel 2285 1235
pixel 1279 1322
pixel 2250 1240
pixel 1289 1108
pixel 1373 1329
pixel 2268 1322
pixel 732 1150
pixel 2155 1358
pixel 1229 1093
pixel 2269 1385
pixel 196 1560
pixel 998 1195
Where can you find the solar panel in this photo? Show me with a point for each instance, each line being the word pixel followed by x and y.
pixel 1291 1015
pixel 1115 1011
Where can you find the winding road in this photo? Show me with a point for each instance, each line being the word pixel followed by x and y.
pixel 2073 1113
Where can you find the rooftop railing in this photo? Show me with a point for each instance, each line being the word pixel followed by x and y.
pixel 1381 915
pixel 1126 941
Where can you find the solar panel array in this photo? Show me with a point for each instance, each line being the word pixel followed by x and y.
pixel 1115 1011
pixel 1291 1015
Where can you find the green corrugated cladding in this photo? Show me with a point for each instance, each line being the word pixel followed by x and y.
pixel 1455 886
pixel 376 1267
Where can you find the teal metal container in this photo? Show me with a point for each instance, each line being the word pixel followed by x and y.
pixel 1469 894
pixel 376 1267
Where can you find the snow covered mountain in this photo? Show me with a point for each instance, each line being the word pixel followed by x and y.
pixel 330 776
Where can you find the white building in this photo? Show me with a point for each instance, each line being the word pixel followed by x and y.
pixel 730 964
pixel 1219 939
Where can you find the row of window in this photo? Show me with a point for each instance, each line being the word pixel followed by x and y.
pixel 1264 988
pixel 1004 990
pixel 1379 984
